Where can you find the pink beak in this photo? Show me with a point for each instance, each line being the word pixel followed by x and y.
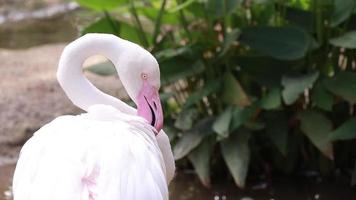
pixel 149 106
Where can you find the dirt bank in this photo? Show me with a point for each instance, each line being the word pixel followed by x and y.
pixel 31 97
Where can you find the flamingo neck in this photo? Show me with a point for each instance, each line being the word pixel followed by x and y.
pixel 70 74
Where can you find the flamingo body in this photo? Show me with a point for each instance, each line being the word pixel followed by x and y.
pixel 111 152
pixel 101 155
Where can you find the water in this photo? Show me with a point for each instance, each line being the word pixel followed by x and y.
pixel 53 24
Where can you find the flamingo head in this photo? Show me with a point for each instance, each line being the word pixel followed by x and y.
pixel 141 79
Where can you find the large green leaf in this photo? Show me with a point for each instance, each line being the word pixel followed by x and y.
pixel 236 153
pixel 342 11
pixel 277 130
pixel 348 40
pixel 222 123
pixel 186 52
pixel 272 100
pixel 346 131
pixel 112 26
pixel 186 118
pixel 101 5
pixel 179 68
pixel 207 89
pixel 192 138
pixel 103 25
pixel 321 97
pixel 171 132
pixel 200 158
pixel 130 32
pixel 317 127
pixel 222 8
pixel 229 40
pixel 285 43
pixel 344 85
pixel 300 18
pixel 152 13
pixel 233 92
pixel 266 71
pixel 102 69
pixel 294 86
pixel 182 6
pixel 241 115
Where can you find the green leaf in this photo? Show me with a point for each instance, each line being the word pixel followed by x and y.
pixel 153 14
pixel 186 52
pixel 317 128
pixel 346 131
pixel 272 100
pixel 285 43
pixel 101 5
pixel 277 130
pixel 222 8
pixel 182 6
pixel 102 69
pixel 344 85
pixel 112 26
pixel 129 32
pixel 266 71
pixel 185 119
pixel 348 40
pixel 301 18
pixel 342 11
pixel 241 115
pixel 171 132
pixel 255 125
pixel 294 86
pixel 322 98
pixel 207 89
pixel 200 158
pixel 229 40
pixel 103 25
pixel 222 123
pixel 192 138
pixel 236 153
pixel 174 70
pixel 233 92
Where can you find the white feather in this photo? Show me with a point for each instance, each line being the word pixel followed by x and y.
pixel 101 155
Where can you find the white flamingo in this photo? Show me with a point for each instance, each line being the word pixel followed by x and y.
pixel 112 152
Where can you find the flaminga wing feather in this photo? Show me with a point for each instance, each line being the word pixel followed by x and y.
pixel 82 157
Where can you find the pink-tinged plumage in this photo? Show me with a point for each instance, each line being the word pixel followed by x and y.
pixel 109 152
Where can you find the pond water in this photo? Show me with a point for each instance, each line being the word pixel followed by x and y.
pixel 54 24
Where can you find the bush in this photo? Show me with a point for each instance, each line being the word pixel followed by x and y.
pixel 262 83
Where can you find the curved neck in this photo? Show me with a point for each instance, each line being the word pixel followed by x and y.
pixel 70 74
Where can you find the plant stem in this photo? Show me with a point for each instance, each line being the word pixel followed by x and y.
pixel 141 33
pixel 158 21
pixel 184 22
pixel 112 23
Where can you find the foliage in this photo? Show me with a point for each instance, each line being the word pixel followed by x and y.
pixel 249 82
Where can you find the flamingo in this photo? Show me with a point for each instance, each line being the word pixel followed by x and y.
pixel 110 152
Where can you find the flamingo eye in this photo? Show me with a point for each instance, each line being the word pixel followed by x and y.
pixel 144 76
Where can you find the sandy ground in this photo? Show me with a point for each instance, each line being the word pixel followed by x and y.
pixel 31 97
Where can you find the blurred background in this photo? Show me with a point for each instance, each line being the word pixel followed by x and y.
pixel 258 95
